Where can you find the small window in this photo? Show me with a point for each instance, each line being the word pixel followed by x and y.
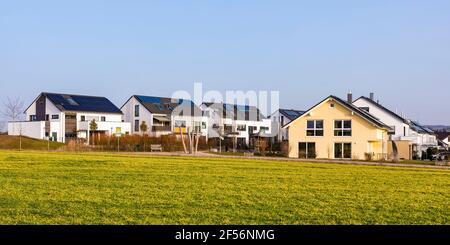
pixel 203 125
pixel 83 118
pixel 136 110
pixel 103 119
pixel 55 116
pixel 32 117
pixel 136 125
pixel 332 105
pixel 47 117
pixel 241 127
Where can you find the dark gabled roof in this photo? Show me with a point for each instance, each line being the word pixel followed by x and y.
pixel 442 135
pixel 291 114
pixel 420 128
pixel 237 112
pixel 362 113
pixel 169 106
pixel 85 103
pixel 383 108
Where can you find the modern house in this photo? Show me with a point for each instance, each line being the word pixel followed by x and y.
pixel 407 137
pixel 60 117
pixel 243 123
pixel 281 117
pixel 336 129
pixel 164 116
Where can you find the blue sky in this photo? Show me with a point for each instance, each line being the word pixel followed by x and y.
pixel 305 49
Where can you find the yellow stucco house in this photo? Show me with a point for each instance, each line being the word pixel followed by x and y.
pixel 336 129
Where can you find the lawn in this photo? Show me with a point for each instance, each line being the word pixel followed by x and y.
pixel 65 188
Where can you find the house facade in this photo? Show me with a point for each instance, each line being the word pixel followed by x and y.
pixel 335 129
pixel 60 117
pixel 236 122
pixel 280 118
pixel 164 116
pixel 404 132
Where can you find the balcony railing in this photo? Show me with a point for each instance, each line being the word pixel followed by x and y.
pixel 161 128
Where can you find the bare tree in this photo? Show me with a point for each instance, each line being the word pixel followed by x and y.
pixel 13 111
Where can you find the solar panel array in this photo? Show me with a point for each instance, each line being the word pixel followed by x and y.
pixel 83 103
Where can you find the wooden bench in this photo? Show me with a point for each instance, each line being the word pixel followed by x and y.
pixel 156 147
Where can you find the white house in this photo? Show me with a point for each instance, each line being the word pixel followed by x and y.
pixel 60 117
pixel 242 122
pixel 420 138
pixel 164 116
pixel 281 117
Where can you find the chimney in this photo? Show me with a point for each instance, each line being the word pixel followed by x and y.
pixel 350 97
pixel 371 96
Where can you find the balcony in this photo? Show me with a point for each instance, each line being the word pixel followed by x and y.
pixel 161 128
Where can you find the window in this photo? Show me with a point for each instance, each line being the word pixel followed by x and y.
pixel 241 127
pixel 197 126
pixel 252 129
pixel 342 128
pixel 264 129
pixel 136 110
pixel 365 108
pixel 71 117
pixel 103 119
pixel 203 125
pixel 55 116
pixel 282 120
pixel 180 124
pixel 314 128
pixel 404 131
pixel 332 105
pixel 32 117
pixel 83 118
pixel 136 125
pixel 47 117
pixel 343 150
pixel 307 150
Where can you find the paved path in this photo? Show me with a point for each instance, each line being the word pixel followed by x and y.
pixel 285 159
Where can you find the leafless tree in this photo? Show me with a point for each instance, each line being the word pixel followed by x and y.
pixel 13 111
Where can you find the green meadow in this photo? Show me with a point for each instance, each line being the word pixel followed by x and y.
pixel 70 188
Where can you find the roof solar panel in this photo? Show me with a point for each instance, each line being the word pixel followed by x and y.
pixel 83 103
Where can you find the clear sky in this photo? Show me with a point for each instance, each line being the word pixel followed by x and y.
pixel 305 49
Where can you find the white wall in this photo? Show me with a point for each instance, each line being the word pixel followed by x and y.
pixel 31 129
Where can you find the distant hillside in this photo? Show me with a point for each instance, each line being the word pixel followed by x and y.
pixel 439 127
pixel 12 143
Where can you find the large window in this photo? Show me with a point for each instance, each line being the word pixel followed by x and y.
pixel 241 127
pixel 136 125
pixel 307 150
pixel 314 128
pixel 136 110
pixel 342 128
pixel 180 124
pixel 343 150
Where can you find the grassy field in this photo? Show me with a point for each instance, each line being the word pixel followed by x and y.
pixel 12 143
pixel 64 188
